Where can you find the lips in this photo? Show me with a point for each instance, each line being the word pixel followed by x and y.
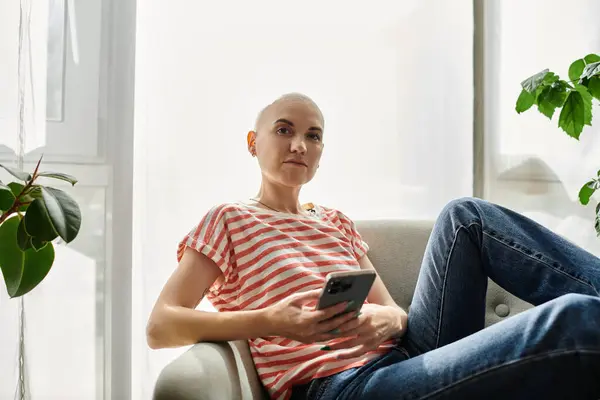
pixel 296 162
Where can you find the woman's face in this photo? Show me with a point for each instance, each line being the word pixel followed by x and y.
pixel 289 141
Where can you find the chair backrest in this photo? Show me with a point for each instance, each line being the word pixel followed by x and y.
pixel 396 250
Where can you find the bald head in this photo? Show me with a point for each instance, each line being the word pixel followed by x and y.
pixel 289 97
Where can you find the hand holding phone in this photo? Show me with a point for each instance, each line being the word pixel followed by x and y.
pixel 348 286
pixel 289 317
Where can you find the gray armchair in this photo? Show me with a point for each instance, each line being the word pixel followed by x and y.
pixel 221 371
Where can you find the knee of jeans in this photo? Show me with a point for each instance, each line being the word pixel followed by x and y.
pixel 579 310
pixel 463 210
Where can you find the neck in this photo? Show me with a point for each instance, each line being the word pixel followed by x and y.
pixel 279 197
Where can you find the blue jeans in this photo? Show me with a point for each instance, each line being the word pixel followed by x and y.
pixel 551 351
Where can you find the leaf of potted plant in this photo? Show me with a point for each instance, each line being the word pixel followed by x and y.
pixel 32 216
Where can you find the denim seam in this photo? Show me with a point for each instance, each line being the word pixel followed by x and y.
pixel 403 351
pixel 539 260
pixel 441 305
pixel 322 387
pixel 512 363
pixel 484 229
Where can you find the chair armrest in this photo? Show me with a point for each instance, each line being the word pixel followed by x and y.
pixel 211 371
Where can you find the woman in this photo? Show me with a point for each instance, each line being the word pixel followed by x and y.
pixel 263 262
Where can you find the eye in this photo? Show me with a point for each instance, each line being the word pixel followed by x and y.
pixel 315 136
pixel 283 130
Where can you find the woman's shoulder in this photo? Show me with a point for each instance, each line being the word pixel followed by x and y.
pixel 227 208
pixel 221 212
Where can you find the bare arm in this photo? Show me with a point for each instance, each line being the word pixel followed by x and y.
pixel 380 295
pixel 174 321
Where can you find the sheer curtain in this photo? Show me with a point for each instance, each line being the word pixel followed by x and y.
pixel 64 321
pixel 394 80
pixel 23 66
pixel 532 165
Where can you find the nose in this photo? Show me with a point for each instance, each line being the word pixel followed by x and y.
pixel 297 145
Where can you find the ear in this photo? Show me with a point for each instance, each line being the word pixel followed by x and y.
pixel 251 139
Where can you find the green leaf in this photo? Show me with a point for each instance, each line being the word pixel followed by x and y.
pixel 35 192
pixel 558 93
pixel 576 69
pixel 22 271
pixel 17 173
pixel 572 116
pixel 551 77
pixel 584 82
pixel 586 192
pixel 587 104
pixel 38 243
pixel 591 58
pixel 38 223
pixel 538 92
pixel 7 198
pixel 524 102
pixel 31 194
pixel 531 84
pixel 16 188
pixel 23 238
pixel 545 105
pixel 64 213
pixel 36 265
pixel 591 70
pixel 594 87
pixel 58 175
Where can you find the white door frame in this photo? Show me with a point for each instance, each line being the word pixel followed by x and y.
pixel 116 111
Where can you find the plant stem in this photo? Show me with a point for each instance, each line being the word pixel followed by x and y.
pixel 3 217
pixel 17 204
pixel 8 213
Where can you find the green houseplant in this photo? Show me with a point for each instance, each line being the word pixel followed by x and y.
pixel 32 216
pixel 574 97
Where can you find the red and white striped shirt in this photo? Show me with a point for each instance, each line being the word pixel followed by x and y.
pixel 267 255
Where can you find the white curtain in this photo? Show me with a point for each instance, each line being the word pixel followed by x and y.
pixel 22 69
pixel 532 165
pixel 63 352
pixel 23 64
pixel 394 80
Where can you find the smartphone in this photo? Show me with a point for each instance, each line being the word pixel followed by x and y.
pixel 346 286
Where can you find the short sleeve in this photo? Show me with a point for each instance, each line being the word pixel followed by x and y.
pixel 359 246
pixel 211 238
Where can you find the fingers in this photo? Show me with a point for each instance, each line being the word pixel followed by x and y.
pixel 340 324
pixel 307 295
pixel 349 327
pixel 329 312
